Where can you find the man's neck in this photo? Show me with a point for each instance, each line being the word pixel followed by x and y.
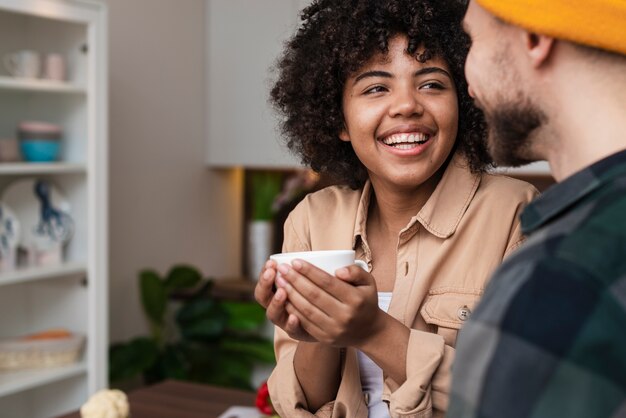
pixel 587 124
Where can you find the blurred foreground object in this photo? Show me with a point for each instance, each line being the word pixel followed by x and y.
pixel 107 403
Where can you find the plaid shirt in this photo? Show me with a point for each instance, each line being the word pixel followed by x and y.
pixel 548 339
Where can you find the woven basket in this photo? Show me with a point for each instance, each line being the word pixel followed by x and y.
pixel 30 354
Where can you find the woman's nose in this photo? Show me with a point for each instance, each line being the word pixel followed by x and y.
pixel 406 103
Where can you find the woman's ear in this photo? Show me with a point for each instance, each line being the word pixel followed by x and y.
pixel 343 135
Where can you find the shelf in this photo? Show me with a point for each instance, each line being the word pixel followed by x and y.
pixel 41 168
pixel 42 273
pixel 17 381
pixel 45 86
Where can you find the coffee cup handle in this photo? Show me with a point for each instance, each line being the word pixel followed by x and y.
pixel 362 264
pixel 10 63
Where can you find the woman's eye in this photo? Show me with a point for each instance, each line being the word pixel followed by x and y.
pixel 433 85
pixel 375 89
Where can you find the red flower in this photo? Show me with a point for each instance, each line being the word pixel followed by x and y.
pixel 263 402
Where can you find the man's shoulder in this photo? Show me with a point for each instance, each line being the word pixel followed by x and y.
pixel 582 248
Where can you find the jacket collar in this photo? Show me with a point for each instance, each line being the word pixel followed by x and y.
pixel 442 212
pixel 564 195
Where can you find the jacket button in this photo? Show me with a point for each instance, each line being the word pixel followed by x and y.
pixel 366 397
pixel 464 313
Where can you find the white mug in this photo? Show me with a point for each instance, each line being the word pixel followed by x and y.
pixel 54 67
pixel 23 64
pixel 327 260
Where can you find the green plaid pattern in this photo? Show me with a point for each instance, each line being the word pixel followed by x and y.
pixel 548 339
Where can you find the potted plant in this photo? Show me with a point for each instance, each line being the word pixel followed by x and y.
pixel 209 341
pixel 265 186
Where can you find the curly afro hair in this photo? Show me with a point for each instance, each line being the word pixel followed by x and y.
pixel 335 39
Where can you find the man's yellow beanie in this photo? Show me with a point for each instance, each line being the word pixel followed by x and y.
pixel 596 23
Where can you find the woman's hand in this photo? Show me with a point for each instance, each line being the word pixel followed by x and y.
pixel 340 311
pixel 274 303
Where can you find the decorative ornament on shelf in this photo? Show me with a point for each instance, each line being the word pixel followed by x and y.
pixel 9 236
pixel 55 224
pixel 263 401
pixel 45 218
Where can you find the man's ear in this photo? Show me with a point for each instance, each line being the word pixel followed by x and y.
pixel 538 47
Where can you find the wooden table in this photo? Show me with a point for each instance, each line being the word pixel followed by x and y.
pixel 174 399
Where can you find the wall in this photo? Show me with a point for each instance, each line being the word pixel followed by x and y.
pixel 166 206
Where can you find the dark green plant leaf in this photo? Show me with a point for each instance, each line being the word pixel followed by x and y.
pixel 226 369
pixel 182 277
pixel 128 360
pixel 265 188
pixel 153 296
pixel 244 316
pixel 154 373
pixel 174 363
pixel 171 363
pixel 200 353
pixel 255 349
pixel 202 319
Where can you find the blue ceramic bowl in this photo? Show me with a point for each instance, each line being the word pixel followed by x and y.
pixel 40 150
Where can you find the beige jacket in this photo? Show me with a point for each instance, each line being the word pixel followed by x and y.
pixel 445 256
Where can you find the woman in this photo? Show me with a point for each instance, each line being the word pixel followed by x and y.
pixel 373 94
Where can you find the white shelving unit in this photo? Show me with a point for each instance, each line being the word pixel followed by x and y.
pixel 29 274
pixel 41 168
pixel 73 294
pixel 16 382
pixel 9 83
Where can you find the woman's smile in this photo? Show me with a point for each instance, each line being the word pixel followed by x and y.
pixel 407 140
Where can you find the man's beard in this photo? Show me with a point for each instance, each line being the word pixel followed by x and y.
pixel 512 128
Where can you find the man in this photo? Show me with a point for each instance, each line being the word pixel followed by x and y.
pixel 549 337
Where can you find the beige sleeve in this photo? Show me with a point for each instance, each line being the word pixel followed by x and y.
pixel 428 362
pixel 285 391
pixel 516 238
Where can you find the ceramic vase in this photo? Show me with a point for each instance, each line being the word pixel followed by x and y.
pixel 260 241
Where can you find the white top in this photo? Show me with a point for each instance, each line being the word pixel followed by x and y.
pixel 372 375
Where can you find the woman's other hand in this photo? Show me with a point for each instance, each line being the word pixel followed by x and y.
pixel 274 302
pixel 264 290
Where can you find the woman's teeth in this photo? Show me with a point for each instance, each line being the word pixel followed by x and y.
pixel 405 146
pixel 405 141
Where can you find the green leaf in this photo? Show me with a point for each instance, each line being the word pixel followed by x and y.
pixel 244 316
pixel 174 363
pixel 127 360
pixel 200 353
pixel 153 296
pixel 228 369
pixel 202 319
pixel 256 349
pixel 265 188
pixel 182 277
